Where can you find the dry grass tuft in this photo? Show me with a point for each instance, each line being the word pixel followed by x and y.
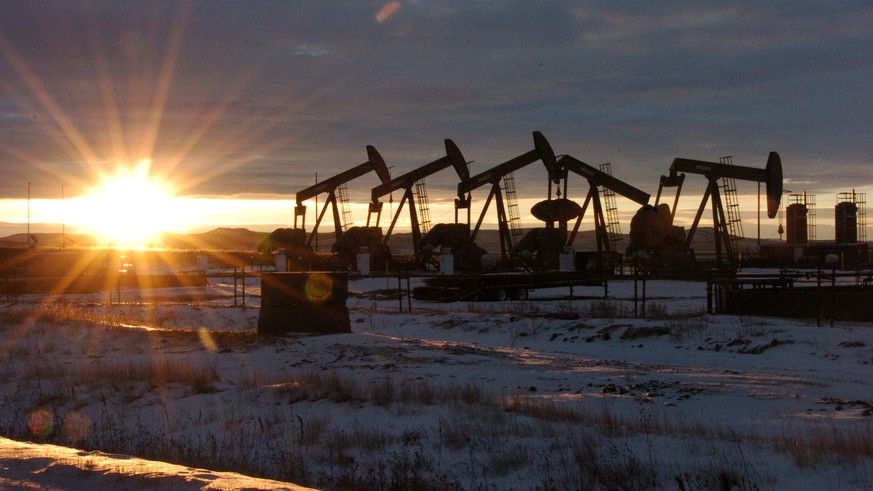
pixel 546 410
pixel 825 444
pixel 607 308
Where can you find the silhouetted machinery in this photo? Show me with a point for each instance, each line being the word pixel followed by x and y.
pixel 374 163
pixel 597 180
pixel 797 217
pixel 412 184
pixel 495 176
pixel 652 228
pixel 298 246
pixel 454 239
pixel 802 247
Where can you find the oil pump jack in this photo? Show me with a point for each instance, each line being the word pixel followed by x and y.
pixel 599 179
pixel 651 227
pixel 542 151
pixel 407 182
pixel 374 163
pixel 296 243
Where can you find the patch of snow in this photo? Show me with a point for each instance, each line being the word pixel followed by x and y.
pixel 450 391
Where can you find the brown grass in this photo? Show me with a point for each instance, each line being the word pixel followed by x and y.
pixel 822 444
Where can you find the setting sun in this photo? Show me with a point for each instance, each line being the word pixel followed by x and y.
pixel 131 208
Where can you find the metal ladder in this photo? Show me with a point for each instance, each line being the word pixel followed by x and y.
pixel 613 226
pixel 511 198
pixel 860 201
pixel 342 194
pixel 423 206
pixel 732 207
pixel 810 215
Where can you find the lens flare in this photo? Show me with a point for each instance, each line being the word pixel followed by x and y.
pixel 41 423
pixel 206 340
pixel 318 287
pixel 387 11
pixel 76 426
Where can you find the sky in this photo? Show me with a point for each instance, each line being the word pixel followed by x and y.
pixel 249 100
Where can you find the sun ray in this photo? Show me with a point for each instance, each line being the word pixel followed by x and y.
pixel 227 149
pixel 246 136
pixel 59 115
pixel 165 78
pixel 107 91
pixel 209 120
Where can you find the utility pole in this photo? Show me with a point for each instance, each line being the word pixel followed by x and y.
pixel 759 216
pixel 63 221
pixel 316 210
pixel 28 216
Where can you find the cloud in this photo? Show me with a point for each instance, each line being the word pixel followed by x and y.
pixel 259 94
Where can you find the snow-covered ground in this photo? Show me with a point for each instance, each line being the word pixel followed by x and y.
pixel 551 393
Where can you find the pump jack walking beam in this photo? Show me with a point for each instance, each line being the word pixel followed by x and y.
pixel 771 175
pixel 542 151
pixel 596 178
pixel 374 163
pixel 453 158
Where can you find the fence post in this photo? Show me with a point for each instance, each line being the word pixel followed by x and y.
pixel 399 290
pixel 408 291
pixel 818 298
pixel 644 292
pixel 709 297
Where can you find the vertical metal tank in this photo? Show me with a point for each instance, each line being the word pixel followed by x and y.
pixel 846 223
pixel 796 224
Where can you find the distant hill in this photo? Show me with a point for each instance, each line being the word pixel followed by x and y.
pixel 229 239
pixel 586 240
pixel 242 239
pixel 53 240
pixel 217 239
